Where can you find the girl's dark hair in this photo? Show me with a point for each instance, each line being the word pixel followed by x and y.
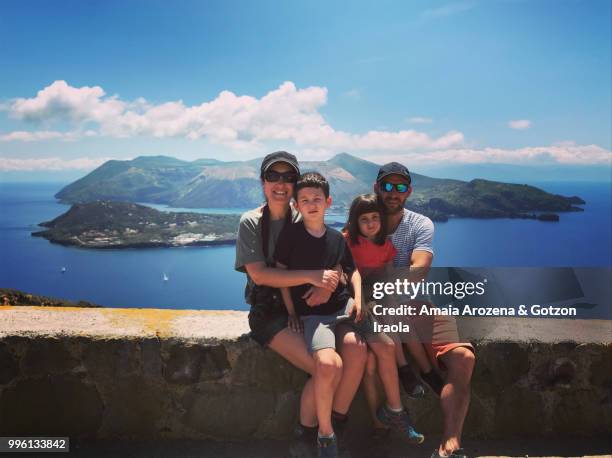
pixel 365 203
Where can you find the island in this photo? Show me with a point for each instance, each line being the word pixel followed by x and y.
pixel 110 224
pixel 210 183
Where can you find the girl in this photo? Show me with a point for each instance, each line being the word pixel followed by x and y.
pixel 372 252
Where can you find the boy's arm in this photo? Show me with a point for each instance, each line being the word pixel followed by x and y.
pixel 294 322
pixel 356 283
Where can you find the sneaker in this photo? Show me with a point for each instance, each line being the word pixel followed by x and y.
pixel 328 447
pixel 401 423
pixel 458 453
pixel 411 384
pixel 434 381
pixel 303 442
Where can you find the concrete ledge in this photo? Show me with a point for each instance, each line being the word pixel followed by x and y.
pixel 146 373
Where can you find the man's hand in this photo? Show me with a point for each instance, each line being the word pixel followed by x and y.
pixel 355 308
pixel 316 296
pixel 295 324
pixel 327 279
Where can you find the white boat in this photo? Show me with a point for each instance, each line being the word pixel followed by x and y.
pixel 166 277
pixel 63 270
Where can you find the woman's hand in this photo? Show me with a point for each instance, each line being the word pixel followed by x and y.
pixel 295 324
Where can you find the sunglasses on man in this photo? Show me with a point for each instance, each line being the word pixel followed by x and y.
pixel 273 176
pixel 399 187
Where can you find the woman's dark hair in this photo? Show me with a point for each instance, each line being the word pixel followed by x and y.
pixel 365 203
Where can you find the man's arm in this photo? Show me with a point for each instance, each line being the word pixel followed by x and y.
pixel 279 278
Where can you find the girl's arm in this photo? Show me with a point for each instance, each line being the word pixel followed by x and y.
pixel 356 283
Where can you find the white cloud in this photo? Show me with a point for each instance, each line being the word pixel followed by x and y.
pixel 286 114
pixel 419 120
pixel 520 124
pixel 567 153
pixel 40 135
pixel 50 163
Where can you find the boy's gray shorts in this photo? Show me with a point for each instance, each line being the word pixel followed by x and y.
pixel 319 329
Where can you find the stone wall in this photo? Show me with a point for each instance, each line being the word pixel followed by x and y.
pixel 141 373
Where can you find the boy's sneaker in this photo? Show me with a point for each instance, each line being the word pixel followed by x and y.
pixel 328 447
pixel 410 382
pixel 400 422
pixel 435 382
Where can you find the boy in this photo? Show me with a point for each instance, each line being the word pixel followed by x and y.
pixel 310 244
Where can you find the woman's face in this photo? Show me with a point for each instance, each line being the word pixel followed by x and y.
pixel 278 192
pixel 369 224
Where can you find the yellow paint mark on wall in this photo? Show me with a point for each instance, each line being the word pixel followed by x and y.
pixel 151 321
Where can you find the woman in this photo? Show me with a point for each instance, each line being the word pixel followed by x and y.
pixel 257 235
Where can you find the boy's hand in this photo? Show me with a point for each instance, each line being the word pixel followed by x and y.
pixel 327 279
pixel 316 296
pixel 295 324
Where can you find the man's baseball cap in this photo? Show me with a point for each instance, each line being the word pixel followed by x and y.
pixel 279 156
pixel 393 168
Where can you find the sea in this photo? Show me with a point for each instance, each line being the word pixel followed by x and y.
pixel 204 277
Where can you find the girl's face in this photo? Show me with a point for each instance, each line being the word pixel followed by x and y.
pixel 369 224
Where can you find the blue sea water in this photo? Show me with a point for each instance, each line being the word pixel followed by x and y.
pixel 204 278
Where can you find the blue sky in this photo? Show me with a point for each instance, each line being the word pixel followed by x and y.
pixel 428 83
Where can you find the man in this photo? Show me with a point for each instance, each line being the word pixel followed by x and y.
pixel 412 234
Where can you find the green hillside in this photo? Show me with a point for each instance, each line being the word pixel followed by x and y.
pixel 209 183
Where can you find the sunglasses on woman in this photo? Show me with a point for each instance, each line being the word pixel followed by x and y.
pixel 273 176
pixel 399 187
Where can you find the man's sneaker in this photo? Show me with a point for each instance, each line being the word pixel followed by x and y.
pixel 400 422
pixel 458 453
pixel 303 444
pixel 410 382
pixel 328 447
pixel 435 382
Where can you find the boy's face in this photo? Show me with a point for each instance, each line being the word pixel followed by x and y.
pixel 311 203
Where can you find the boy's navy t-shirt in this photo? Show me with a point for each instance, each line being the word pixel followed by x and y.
pixel 298 250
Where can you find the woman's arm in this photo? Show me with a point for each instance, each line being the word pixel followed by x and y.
pixel 280 278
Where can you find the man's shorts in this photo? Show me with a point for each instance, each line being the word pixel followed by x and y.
pixel 265 322
pixel 319 329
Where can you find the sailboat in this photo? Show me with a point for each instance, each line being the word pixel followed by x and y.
pixel 166 277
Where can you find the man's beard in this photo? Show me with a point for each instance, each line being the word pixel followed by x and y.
pixel 394 206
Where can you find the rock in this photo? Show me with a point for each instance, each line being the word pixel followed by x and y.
pixel 226 412
pixel 190 363
pixel 519 412
pixel 499 365
pixel 581 412
pixel 52 406
pixel 135 408
pixel 48 356
pixel 111 359
pixel 9 367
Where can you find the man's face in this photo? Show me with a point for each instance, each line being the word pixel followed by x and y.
pixel 311 203
pixel 279 191
pixel 394 200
